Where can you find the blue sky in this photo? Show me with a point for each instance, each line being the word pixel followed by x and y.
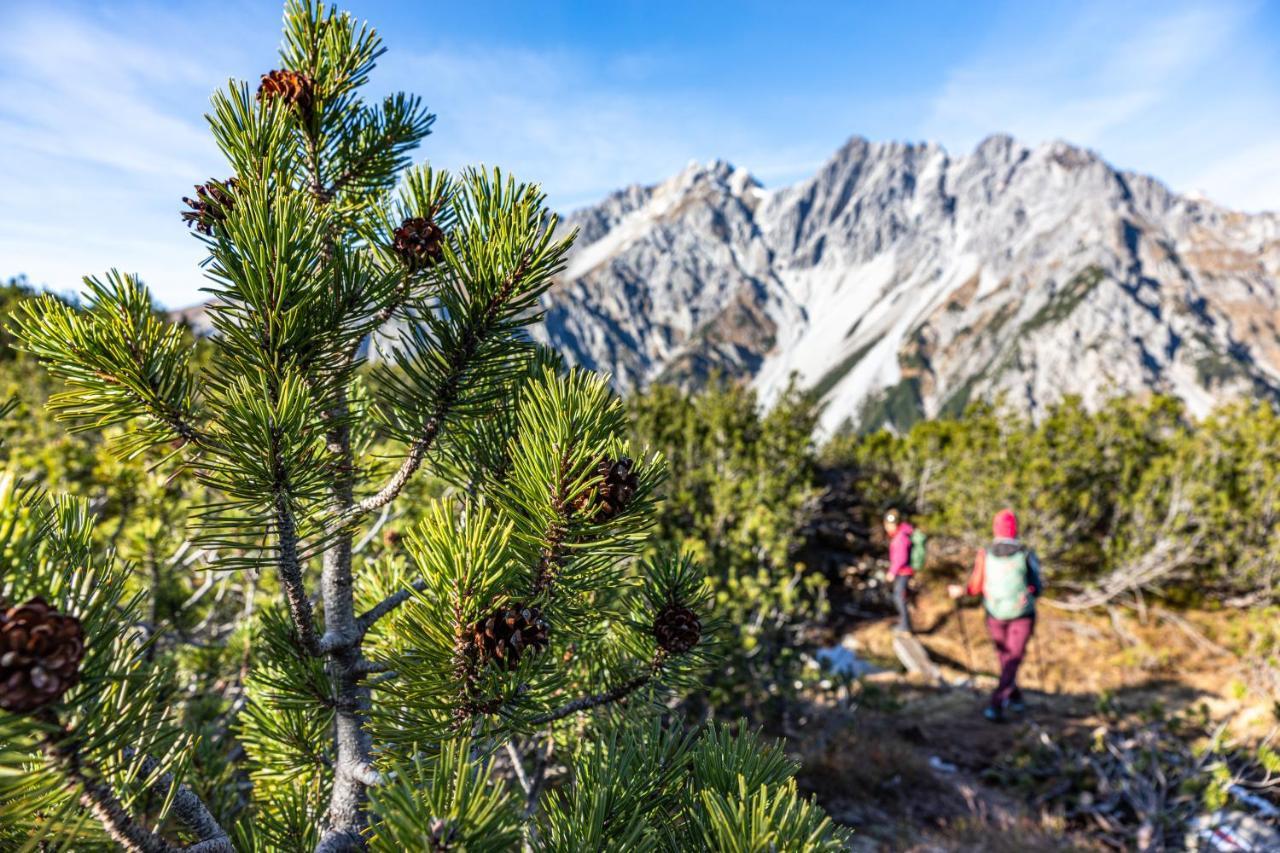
pixel 101 128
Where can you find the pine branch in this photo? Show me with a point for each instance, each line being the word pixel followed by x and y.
pixel 391 602
pixel 102 802
pixel 458 365
pixel 552 558
pixel 289 567
pixel 191 810
pixel 155 406
pixel 119 360
pixel 586 703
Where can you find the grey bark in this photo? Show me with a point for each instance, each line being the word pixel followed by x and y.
pixel 191 810
pixel 347 818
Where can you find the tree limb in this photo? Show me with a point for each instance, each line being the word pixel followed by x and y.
pixel 102 802
pixel 391 602
pixel 588 702
pixel 289 567
pixel 191 810
pixel 389 492
pixel 458 365
pixel 98 797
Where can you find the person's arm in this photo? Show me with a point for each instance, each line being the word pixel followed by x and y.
pixel 977 578
pixel 1034 583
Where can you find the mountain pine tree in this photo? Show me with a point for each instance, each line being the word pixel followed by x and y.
pixel 422 698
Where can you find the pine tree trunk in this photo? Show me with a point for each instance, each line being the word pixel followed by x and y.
pixel 347 818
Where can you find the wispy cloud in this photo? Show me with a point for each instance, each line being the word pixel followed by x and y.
pixel 101 131
pixel 1183 91
pixel 549 117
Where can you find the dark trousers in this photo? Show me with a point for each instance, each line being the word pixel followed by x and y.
pixel 1010 637
pixel 900 584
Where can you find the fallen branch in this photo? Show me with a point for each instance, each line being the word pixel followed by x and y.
pixel 1201 641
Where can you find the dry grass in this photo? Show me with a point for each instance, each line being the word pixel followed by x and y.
pixel 870 767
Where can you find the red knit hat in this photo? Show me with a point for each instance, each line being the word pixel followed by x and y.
pixel 1005 525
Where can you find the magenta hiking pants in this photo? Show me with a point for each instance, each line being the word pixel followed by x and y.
pixel 1010 638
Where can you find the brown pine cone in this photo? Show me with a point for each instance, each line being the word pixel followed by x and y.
pixel 504 636
pixel 677 629
pixel 40 653
pixel 210 206
pixel 617 488
pixel 290 86
pixel 419 242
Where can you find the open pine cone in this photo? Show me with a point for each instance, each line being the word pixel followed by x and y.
pixel 503 637
pixel 290 86
pixel 677 629
pixel 40 652
pixel 617 488
pixel 210 206
pixel 419 242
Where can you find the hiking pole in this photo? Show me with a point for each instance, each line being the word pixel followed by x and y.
pixel 964 635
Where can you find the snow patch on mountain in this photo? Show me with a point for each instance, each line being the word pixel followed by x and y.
pixel 901 282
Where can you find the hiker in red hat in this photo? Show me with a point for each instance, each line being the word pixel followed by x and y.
pixel 1007 576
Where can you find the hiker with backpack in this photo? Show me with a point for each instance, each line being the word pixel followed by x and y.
pixel 906 557
pixel 1007 576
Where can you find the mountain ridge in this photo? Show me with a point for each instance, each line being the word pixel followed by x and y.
pixel 900 282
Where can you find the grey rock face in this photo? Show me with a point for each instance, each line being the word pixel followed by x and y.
pixel 900 282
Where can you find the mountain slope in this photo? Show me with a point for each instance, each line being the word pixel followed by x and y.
pixel 900 282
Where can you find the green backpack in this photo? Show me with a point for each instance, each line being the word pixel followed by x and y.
pixel 918 540
pixel 1004 590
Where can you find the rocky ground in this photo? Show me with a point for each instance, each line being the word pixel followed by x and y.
pixel 913 766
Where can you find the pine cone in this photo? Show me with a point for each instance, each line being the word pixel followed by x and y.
pixel 290 86
pixel 210 206
pixel 40 652
pixel 503 637
pixel 677 629
pixel 391 537
pixel 419 242
pixel 617 488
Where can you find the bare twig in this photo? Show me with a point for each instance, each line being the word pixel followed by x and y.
pixel 1203 642
pixel 383 517
pixel 539 778
pixel 517 764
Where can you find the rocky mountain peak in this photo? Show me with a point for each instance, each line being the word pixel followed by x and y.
pixel 900 282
